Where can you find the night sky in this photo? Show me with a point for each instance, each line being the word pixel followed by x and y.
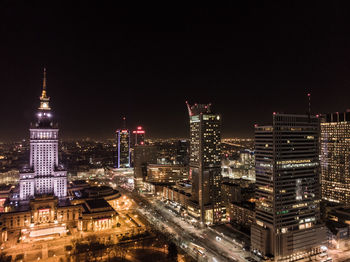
pixel 104 62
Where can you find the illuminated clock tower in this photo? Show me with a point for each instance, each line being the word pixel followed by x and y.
pixel 44 174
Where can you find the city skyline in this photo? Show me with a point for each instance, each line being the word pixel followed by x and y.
pixel 131 64
pixel 175 134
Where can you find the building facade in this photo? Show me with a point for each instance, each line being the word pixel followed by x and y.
pixel 335 157
pixel 182 156
pixel 138 136
pixel 241 213
pixel 44 175
pixel 205 162
pixel 143 156
pixel 166 173
pixel 44 215
pixel 123 147
pixel 287 225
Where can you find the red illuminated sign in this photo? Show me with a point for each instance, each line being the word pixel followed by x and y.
pixel 138 132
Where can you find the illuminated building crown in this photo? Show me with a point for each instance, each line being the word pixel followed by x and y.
pixel 44 100
pixel 44 116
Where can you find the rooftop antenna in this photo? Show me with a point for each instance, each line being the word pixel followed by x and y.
pixel 124 122
pixel 43 92
pixel 309 113
pixel 189 109
pixel 44 80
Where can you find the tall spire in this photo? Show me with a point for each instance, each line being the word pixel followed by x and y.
pixel 309 96
pixel 124 122
pixel 44 100
pixel 44 80
pixel 309 112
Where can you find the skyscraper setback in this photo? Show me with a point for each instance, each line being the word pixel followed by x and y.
pixel 205 163
pixel 44 175
pixel 335 157
pixel 287 188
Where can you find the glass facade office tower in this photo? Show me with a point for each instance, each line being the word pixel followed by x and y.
pixel 205 162
pixel 123 148
pixel 44 175
pixel 335 157
pixel 287 225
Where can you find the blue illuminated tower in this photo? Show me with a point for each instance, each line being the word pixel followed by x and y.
pixel 123 146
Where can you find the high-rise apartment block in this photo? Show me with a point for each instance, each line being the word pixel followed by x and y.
pixel 205 163
pixel 287 225
pixel 44 175
pixel 335 157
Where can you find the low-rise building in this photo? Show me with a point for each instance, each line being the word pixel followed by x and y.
pixel 43 216
pixel 93 209
pixel 9 177
pixel 97 215
pixel 166 173
pixel 176 194
pixel 338 224
pixel 241 213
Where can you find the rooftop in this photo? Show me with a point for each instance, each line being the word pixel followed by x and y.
pixel 5 188
pixel 96 205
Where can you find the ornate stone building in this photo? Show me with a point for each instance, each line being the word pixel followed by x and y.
pixel 43 208
pixel 44 175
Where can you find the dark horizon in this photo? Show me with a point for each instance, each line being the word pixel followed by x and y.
pixel 247 60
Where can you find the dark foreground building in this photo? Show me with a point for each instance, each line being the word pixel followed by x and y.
pixel 287 225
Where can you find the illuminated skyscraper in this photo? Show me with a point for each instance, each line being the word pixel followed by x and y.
pixel 138 136
pixel 44 175
pixel 123 146
pixel 287 170
pixel 335 157
pixel 205 163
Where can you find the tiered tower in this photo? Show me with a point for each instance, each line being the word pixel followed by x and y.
pixel 44 174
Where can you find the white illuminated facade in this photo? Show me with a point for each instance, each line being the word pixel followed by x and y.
pixel 44 174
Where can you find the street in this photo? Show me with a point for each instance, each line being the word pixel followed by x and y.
pixel 202 244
